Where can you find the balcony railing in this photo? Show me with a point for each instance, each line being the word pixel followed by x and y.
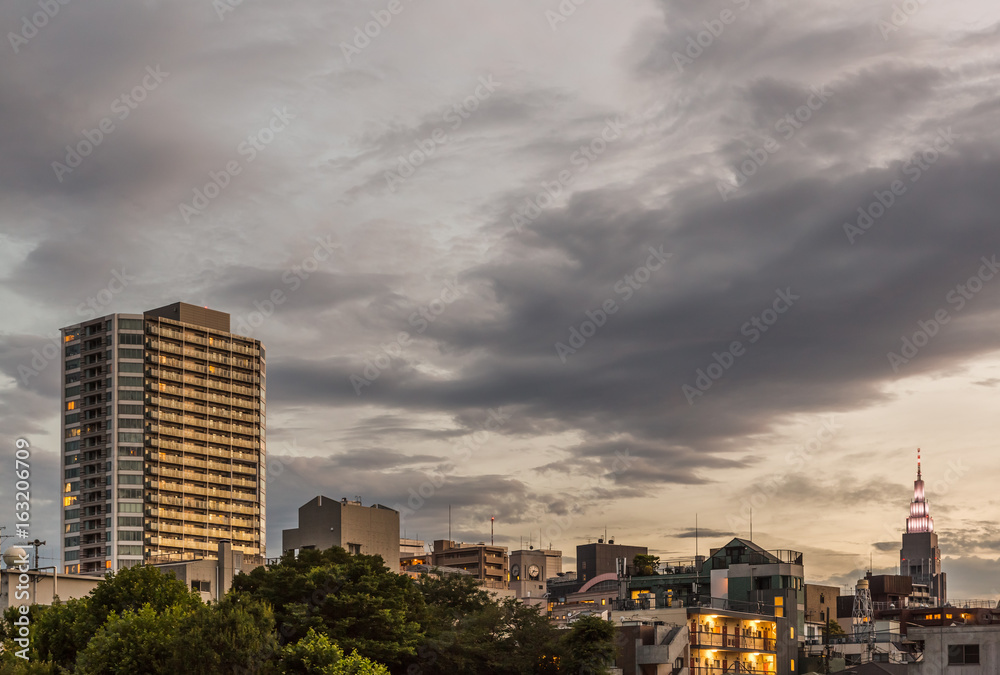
pixel 701 638
pixel 757 558
pixel 732 605
pixel 730 669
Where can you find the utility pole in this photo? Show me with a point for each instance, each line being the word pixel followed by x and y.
pixel 37 544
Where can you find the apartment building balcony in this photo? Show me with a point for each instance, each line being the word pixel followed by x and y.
pixel 730 641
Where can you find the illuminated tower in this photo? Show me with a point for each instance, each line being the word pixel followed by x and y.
pixel 920 557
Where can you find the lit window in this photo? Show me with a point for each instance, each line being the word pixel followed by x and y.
pixel 70 405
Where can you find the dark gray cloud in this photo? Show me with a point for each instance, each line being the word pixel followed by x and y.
pixel 674 176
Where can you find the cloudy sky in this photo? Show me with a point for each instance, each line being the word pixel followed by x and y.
pixel 576 266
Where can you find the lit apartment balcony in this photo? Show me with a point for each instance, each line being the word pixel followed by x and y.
pixel 183 488
pixel 718 640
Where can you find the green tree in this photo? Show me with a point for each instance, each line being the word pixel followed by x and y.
pixel 234 635
pixel 139 642
pixel 589 647
pixel 353 600
pixel 62 631
pixel 315 654
pixel 645 565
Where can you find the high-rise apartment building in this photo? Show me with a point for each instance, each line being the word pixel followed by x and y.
pixel 163 439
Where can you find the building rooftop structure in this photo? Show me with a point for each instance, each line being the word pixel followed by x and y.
pixel 358 529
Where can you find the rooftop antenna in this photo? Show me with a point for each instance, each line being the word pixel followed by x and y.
pixel 449 522
pixel 491 529
pixel 696 537
pixel 751 523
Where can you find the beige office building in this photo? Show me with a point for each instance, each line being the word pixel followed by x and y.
pixel 164 439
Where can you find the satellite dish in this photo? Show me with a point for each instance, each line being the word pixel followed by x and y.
pixel 14 555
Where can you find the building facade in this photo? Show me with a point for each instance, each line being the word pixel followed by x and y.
pixel 594 560
pixel 920 556
pixel 489 564
pixel 718 642
pixel 359 530
pixel 529 570
pixel 957 650
pixel 163 439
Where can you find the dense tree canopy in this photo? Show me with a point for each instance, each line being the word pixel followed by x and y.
pixel 323 612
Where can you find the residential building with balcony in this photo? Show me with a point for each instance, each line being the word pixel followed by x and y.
pixel 718 639
pixel 490 564
pixel 163 439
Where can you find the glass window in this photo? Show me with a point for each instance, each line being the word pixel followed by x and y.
pixel 962 655
pixel 130 324
pixel 128 508
pixel 129 452
pixel 129 479
pixel 129 535
pixel 125 353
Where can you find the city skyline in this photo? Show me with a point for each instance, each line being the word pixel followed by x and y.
pixel 615 267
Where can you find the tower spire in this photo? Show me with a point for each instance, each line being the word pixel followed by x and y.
pixel 920 516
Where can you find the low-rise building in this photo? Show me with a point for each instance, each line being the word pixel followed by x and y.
pixel 708 640
pixel 364 530
pixel 530 570
pixel 488 563
pixel 957 650
pixel 212 576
